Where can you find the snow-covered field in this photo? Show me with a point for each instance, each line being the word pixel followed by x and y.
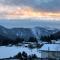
pixel 6 52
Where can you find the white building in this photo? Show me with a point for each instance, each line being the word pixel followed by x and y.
pixel 50 51
pixel 58 41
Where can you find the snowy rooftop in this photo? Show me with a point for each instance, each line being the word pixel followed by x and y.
pixel 50 47
pixel 57 41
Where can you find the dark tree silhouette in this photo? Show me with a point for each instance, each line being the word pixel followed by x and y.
pixel 32 39
pixel 46 38
pixel 24 56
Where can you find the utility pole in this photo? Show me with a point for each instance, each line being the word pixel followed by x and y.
pixel 48 53
pixel 57 55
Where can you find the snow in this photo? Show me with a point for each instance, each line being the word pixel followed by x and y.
pixel 34 31
pixel 58 42
pixel 6 52
pixel 50 47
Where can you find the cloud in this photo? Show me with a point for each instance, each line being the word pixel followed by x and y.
pixel 23 12
pixel 45 5
pixel 17 9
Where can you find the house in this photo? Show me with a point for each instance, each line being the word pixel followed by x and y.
pixel 50 51
pixel 53 41
pixel 58 41
pixel 26 44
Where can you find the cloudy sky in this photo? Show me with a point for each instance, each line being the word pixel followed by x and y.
pixel 23 9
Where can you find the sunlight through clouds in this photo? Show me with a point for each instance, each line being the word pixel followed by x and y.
pixel 12 9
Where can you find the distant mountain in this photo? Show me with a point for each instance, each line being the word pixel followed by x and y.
pixel 57 35
pixel 26 32
pixel 43 31
pixel 3 38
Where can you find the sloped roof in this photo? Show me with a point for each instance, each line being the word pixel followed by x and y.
pixel 58 42
pixel 50 47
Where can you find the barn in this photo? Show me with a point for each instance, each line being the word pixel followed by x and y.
pixel 50 51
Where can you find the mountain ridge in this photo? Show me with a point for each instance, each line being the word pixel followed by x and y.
pixel 26 33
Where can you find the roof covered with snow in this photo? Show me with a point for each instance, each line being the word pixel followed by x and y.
pixel 58 41
pixel 50 47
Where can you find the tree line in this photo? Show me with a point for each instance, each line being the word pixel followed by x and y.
pixel 16 41
pixel 48 38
